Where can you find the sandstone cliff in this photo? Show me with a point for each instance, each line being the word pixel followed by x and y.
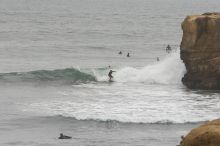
pixel 200 51
pixel 205 135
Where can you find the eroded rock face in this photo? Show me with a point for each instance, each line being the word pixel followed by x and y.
pixel 200 51
pixel 205 135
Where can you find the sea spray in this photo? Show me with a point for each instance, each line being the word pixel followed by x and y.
pixel 100 75
pixel 170 70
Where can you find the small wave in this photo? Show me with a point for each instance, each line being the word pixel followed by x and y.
pixel 78 112
pixel 70 75
pixel 136 121
pixel 166 122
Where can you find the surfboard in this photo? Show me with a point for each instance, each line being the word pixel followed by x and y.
pixel 110 81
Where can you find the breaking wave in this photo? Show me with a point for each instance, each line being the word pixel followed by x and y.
pixel 110 121
pixel 77 112
pixel 67 75
pixel 170 70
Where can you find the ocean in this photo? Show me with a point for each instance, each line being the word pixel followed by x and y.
pixel 55 56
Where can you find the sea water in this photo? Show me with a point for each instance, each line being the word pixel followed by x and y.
pixel 55 56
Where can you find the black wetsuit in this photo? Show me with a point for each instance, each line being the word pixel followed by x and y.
pixel 110 75
pixel 168 49
pixel 64 136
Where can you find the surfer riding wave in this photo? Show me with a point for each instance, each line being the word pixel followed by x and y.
pixel 110 75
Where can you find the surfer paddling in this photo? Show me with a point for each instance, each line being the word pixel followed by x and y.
pixel 62 136
pixel 168 49
pixel 110 75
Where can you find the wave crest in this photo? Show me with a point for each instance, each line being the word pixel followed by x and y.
pixel 170 70
pixel 67 75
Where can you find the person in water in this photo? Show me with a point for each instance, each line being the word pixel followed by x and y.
pixel 168 49
pixel 158 59
pixel 128 55
pixel 110 75
pixel 64 136
pixel 120 53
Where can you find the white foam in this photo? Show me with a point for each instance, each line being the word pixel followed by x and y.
pixel 128 109
pixel 170 70
pixel 99 76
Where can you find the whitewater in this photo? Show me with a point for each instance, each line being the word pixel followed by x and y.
pixel 150 94
pixel 170 70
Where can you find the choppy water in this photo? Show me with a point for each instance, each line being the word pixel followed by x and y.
pixel 55 57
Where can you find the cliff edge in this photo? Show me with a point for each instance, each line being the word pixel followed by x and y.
pixel 200 51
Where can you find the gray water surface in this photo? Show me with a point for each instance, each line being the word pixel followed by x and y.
pixel 55 57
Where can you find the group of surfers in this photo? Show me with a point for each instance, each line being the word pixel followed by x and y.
pixel 120 53
pixel 168 50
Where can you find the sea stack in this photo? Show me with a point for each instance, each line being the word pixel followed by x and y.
pixel 200 51
pixel 205 135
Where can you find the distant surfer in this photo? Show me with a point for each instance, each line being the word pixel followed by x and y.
pixel 128 55
pixel 158 59
pixel 110 75
pixel 120 53
pixel 168 49
pixel 64 136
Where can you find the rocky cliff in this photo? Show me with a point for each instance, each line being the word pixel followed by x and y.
pixel 205 135
pixel 200 51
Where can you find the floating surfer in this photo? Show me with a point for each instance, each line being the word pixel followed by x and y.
pixel 168 49
pixel 128 55
pixel 158 59
pixel 110 75
pixel 64 136
pixel 120 53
